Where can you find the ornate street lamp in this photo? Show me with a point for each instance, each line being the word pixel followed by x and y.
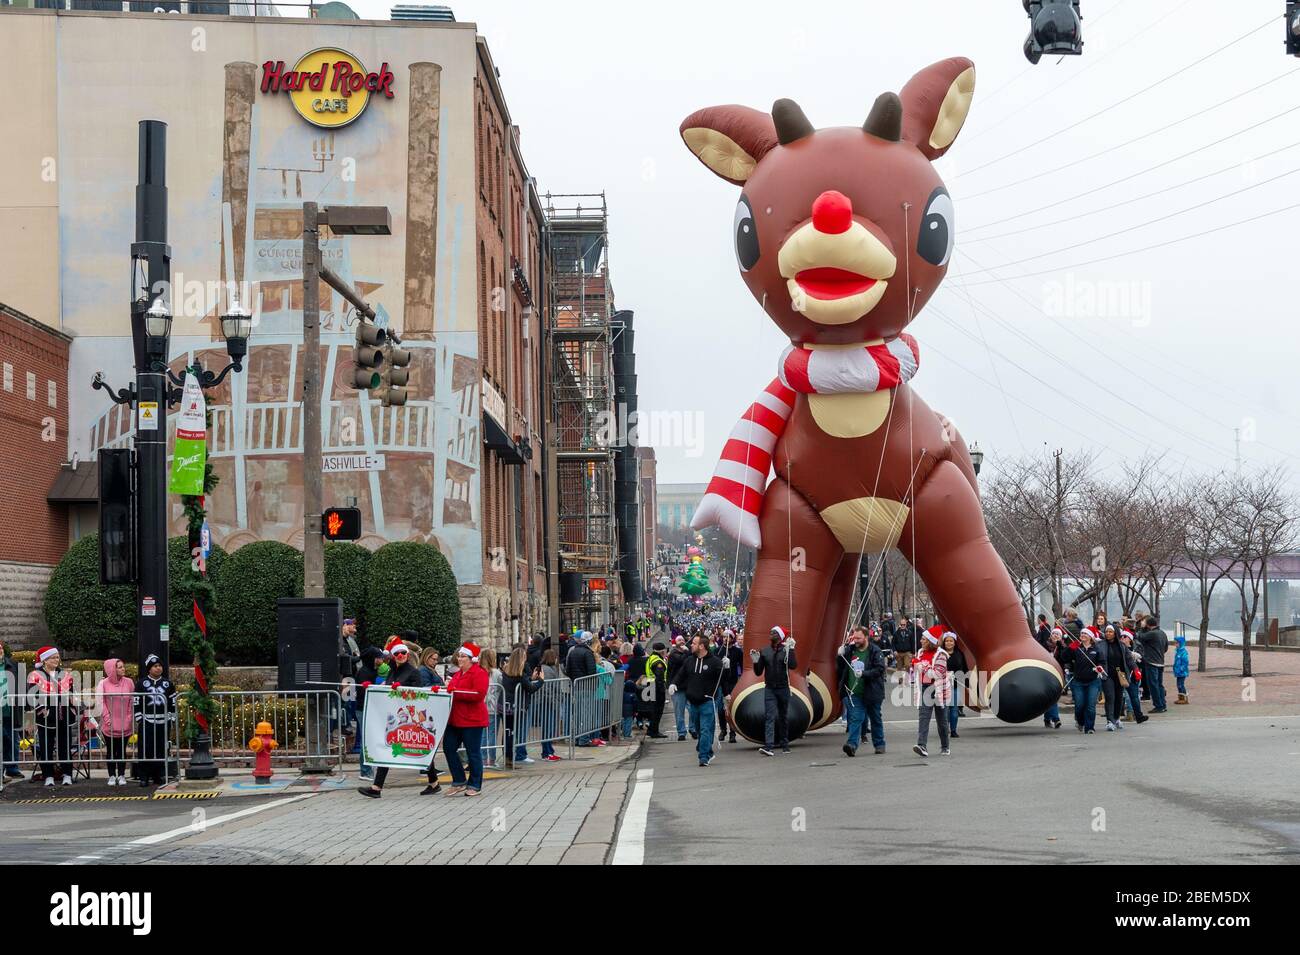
pixel 976 457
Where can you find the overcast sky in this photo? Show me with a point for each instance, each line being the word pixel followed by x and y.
pixel 1166 350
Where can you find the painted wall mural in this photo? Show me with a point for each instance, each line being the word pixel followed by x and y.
pixel 241 162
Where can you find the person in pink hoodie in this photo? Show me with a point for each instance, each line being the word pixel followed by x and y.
pixel 114 699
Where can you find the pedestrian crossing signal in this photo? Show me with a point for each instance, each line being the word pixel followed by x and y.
pixel 341 524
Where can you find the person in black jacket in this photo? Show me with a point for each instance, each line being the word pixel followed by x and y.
pixel 1052 718
pixel 581 662
pixel 155 714
pixel 957 668
pixel 906 641
pixel 1044 632
pixel 9 692
pixel 734 659
pixel 1087 666
pixel 860 669
pixel 774 663
pixel 518 684
pixel 656 671
pixel 698 680
pixel 676 657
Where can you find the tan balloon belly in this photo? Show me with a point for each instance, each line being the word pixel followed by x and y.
pixel 866 524
pixel 850 415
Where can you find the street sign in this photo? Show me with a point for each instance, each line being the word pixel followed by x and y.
pixel 148 608
pixel 148 415
pixel 335 463
pixel 341 523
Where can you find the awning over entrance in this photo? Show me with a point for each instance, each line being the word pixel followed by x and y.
pixel 496 439
pixel 76 485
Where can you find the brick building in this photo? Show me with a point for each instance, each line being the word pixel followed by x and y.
pixel 33 436
pixel 512 601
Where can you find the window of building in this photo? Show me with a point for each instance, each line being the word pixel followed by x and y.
pixel 9 377
pixel 31 386
pixel 52 394
pixel 518 484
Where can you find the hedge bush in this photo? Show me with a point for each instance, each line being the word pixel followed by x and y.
pixel 83 614
pixel 412 587
pixel 346 566
pixel 252 579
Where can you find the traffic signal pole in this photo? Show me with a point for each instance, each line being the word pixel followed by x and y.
pixel 313 545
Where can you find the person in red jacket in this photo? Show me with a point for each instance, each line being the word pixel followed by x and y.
pixel 469 717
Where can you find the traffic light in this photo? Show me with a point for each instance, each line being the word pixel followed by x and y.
pixel 1055 27
pixel 341 523
pixel 117 517
pixel 368 355
pixel 1293 27
pixel 396 373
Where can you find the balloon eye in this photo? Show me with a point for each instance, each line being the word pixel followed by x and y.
pixel 746 236
pixel 935 242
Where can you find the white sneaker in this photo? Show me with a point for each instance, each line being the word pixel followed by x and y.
pixel 1119 724
pixel 112 780
pixel 67 780
pixel 49 780
pixel 121 780
pixel 1110 727
pixel 526 759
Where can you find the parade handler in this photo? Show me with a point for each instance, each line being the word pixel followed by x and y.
pixel 402 727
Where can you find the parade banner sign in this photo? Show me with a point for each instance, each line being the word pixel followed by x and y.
pixel 402 726
pixel 190 453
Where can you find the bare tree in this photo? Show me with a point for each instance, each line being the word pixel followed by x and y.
pixel 1262 523
pixel 1206 542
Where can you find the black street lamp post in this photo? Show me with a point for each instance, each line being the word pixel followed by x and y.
pixel 155 388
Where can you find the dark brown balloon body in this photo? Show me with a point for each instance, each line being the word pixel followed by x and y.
pixel 842 235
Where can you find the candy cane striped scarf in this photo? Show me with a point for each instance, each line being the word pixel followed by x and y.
pixel 734 496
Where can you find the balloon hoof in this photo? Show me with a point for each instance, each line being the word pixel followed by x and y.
pixel 1023 690
pixel 749 718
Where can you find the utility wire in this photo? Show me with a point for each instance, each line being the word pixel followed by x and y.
pixel 1092 61
pixel 1015 154
pixel 1143 225
pixel 1145 248
pixel 1127 202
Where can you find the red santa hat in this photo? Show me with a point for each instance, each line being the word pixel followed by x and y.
pixel 931 636
pixel 44 653
pixel 1058 632
pixel 471 650
pixel 399 648
pixel 1126 633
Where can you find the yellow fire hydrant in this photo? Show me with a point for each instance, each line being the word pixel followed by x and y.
pixel 262 743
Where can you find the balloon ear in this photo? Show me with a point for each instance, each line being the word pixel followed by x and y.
pixel 936 102
pixel 730 140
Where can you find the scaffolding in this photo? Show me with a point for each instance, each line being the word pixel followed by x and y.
pixel 581 316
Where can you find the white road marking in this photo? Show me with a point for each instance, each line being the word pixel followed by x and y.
pixel 630 849
pixel 191 830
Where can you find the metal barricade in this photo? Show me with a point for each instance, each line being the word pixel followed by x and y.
pixel 307 726
pixel 74 733
pixel 542 717
pixel 597 704
pixel 494 736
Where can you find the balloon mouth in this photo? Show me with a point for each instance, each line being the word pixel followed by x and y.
pixel 828 283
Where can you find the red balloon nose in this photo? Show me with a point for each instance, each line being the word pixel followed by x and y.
pixel 832 212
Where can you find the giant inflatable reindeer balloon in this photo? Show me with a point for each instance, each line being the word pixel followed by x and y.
pixel 842 235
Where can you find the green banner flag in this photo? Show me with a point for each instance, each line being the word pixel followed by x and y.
pixel 190 453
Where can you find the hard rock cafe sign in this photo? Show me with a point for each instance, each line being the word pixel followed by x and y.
pixel 328 87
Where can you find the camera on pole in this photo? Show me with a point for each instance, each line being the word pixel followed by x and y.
pixel 1055 27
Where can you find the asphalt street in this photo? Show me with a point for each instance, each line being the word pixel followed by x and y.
pixel 1177 789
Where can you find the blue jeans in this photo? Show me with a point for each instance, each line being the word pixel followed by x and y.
pixel 679 715
pixel 1134 693
pixel 472 738
pixel 1085 702
pixel 703 716
pixel 1182 684
pixel 627 727
pixel 855 714
pixel 8 740
pixel 1156 677
pixel 952 717
pixel 1053 714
